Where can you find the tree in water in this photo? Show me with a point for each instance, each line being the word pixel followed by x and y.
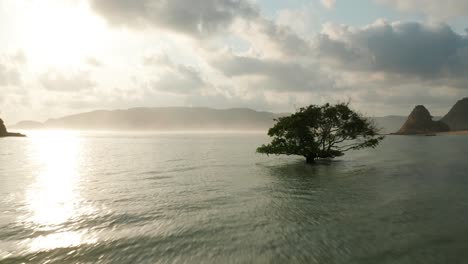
pixel 321 132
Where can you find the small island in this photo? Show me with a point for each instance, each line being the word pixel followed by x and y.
pixel 420 121
pixel 4 132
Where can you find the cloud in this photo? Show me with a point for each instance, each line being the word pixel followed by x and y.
pixel 9 76
pixel 234 56
pixel 272 74
pixel 201 19
pixel 282 38
pixel 72 82
pixel 12 67
pixel 345 61
pixel 304 21
pixel 433 8
pixel 377 61
pixel 180 80
pixel 328 4
pixel 174 78
pixel 284 61
pixel 405 48
pixel 195 17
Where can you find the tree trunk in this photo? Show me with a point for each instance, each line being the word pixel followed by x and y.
pixel 310 160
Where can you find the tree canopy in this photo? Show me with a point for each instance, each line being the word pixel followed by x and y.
pixel 321 132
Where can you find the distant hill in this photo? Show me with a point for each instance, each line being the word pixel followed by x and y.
pixel 161 119
pixel 420 122
pixel 28 125
pixel 457 117
pixel 179 118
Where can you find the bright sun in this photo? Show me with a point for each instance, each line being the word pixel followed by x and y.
pixel 58 33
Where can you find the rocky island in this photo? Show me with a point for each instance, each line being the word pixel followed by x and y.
pixel 420 122
pixel 4 132
pixel 457 118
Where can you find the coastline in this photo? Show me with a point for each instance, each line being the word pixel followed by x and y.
pixel 458 133
pixel 12 135
pixel 449 133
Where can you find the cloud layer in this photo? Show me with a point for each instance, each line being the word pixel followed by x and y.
pixel 72 82
pixel 411 49
pixel 195 17
pixel 231 54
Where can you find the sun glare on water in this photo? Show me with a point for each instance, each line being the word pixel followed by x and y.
pixel 53 198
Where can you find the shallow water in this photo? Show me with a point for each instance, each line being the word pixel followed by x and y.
pixel 208 198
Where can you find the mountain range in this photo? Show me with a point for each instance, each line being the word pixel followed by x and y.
pixel 201 118
pixel 161 119
pixel 178 118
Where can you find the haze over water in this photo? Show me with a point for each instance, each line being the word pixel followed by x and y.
pixel 208 198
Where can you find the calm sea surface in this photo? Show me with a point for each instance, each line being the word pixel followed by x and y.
pixel 208 198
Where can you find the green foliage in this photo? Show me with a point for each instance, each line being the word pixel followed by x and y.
pixel 321 132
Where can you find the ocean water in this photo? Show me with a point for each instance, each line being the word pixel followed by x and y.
pixel 209 198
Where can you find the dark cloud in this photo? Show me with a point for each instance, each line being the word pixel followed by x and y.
pixel 59 82
pixel 194 17
pixel 275 74
pixel 411 49
pixel 340 52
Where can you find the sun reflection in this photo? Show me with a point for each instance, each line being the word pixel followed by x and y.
pixel 53 199
pixel 59 240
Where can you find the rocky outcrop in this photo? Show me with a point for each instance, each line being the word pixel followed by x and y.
pixel 420 122
pixel 4 132
pixel 457 118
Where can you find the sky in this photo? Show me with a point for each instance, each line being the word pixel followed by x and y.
pixel 60 57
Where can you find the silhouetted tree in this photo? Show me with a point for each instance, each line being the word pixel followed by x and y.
pixel 321 132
